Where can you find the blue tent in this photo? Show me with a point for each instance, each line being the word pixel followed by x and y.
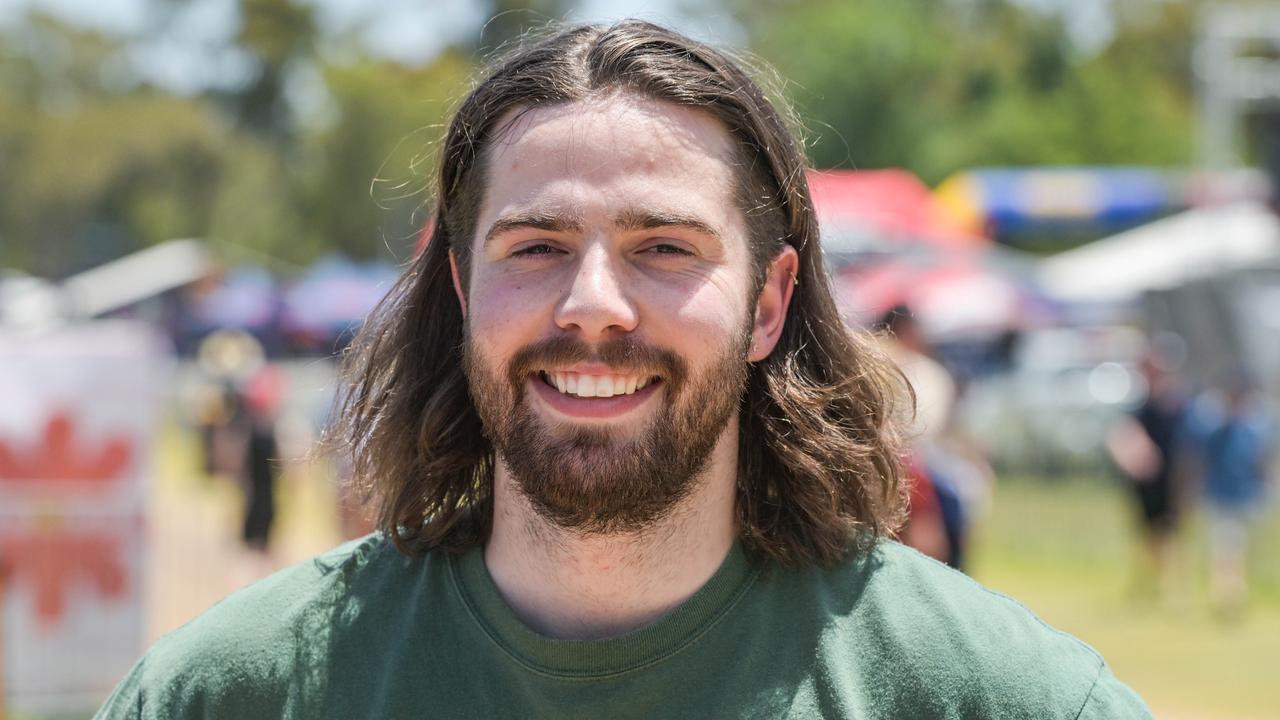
pixel 1019 203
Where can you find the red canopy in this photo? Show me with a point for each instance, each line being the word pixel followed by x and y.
pixel 891 206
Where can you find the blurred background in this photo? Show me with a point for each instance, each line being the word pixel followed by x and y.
pixel 1058 215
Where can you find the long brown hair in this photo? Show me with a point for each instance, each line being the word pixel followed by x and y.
pixel 819 469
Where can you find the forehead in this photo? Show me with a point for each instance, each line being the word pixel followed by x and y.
pixel 597 155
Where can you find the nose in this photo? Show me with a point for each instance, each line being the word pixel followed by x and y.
pixel 596 302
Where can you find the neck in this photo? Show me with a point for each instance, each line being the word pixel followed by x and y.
pixel 572 586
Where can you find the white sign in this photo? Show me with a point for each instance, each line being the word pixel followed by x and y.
pixel 78 410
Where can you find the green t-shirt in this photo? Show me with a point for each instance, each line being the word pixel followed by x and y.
pixel 365 632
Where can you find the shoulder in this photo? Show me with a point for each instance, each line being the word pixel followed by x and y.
pixel 952 643
pixel 281 603
pixel 248 650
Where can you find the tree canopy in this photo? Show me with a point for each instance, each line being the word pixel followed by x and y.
pixel 939 85
pixel 324 146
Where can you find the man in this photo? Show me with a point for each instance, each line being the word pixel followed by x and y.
pixel 1149 448
pixel 1234 433
pixel 628 460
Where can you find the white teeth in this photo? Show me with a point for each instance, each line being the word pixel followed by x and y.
pixel 602 386
pixel 605 386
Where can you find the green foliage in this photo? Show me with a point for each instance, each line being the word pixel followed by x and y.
pixel 146 166
pixel 365 180
pixel 940 86
pixel 279 35
pixel 509 19
pixel 94 163
pixel 254 215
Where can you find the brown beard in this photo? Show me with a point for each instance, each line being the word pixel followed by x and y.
pixel 588 480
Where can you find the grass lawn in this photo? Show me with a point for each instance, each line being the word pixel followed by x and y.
pixel 1065 549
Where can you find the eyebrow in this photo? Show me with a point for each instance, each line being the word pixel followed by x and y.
pixel 627 220
pixel 549 221
pixel 654 219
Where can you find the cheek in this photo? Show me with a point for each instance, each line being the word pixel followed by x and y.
pixel 701 323
pixel 505 311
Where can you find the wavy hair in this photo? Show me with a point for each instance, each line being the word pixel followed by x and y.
pixel 819 450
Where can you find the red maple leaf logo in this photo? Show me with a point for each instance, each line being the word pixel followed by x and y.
pixel 50 562
pixel 61 457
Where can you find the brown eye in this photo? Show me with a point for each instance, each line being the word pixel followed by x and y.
pixel 539 249
pixel 668 249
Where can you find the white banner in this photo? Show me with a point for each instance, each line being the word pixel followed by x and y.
pixel 78 412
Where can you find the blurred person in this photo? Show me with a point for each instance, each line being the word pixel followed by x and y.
pixel 260 468
pixel 1149 448
pixel 1235 434
pixel 212 408
pixel 227 359
pixel 628 459
pixel 925 528
pixel 933 386
pixel 937 522
pixel 959 464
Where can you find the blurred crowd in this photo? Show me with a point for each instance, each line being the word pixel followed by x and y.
pixel 1182 447
pixel 1179 446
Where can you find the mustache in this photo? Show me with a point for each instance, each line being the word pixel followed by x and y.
pixel 626 355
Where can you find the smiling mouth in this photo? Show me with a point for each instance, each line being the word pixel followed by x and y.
pixel 596 386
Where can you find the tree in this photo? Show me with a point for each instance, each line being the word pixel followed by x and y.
pixel 364 182
pixel 509 19
pixel 94 167
pixel 280 36
pixel 937 86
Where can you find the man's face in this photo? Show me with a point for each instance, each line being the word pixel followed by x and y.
pixel 607 316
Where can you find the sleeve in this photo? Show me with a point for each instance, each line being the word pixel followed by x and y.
pixel 125 702
pixel 150 692
pixel 1110 699
pixel 195 685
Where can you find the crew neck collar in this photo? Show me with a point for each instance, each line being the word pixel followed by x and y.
pixel 611 656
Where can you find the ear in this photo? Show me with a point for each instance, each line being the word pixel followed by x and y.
pixel 457 283
pixel 771 306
